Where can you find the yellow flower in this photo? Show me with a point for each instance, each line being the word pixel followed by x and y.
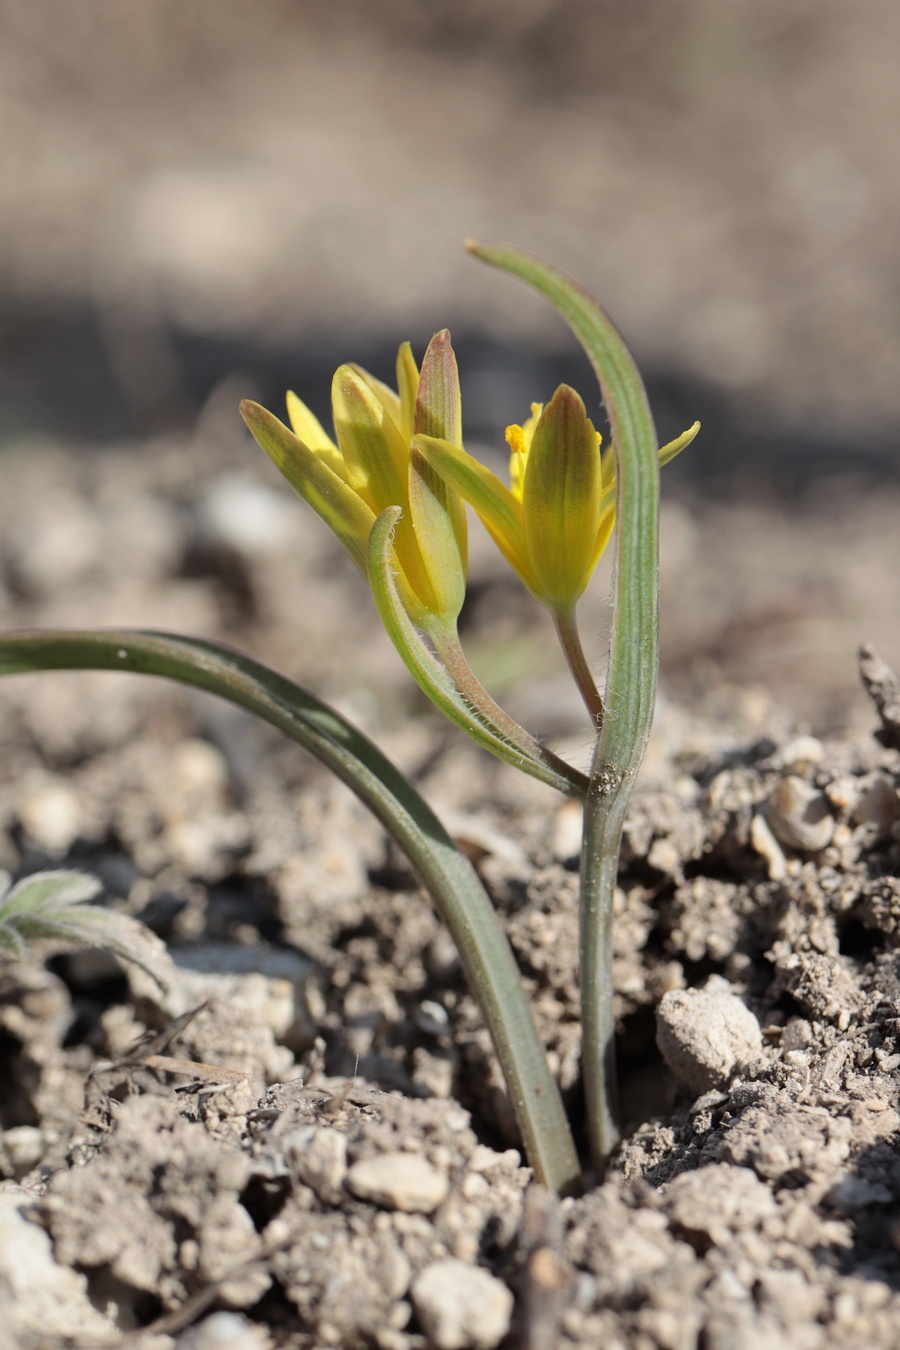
pixel 372 464
pixel 554 521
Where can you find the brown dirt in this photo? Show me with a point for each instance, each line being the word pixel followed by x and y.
pixel 351 1178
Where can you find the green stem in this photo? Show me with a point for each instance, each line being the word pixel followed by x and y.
pixel 454 885
pixel 570 641
pixel 633 664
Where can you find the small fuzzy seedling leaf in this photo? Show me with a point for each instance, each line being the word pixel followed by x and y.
pixel 52 905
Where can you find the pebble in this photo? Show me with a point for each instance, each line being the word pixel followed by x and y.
pixel 240 513
pixel 432 1018
pixel 51 816
pixel 705 1034
pixel 483 1159
pixel 799 815
pixel 878 804
pixel 461 1307
pixel 801 754
pixel 197 768
pixel 665 857
pixel 319 1156
pixel 442 957
pixel 224 1331
pixel 768 848
pixel 568 823
pixel 21 1148
pixel 58 548
pixel 402 1181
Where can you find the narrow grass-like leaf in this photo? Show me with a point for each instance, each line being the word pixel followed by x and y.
pixel 452 881
pixel 633 661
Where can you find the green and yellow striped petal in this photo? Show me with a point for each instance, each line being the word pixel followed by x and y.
pixel 309 430
pixel 342 509
pixel 495 505
pixel 438 514
pixel 561 500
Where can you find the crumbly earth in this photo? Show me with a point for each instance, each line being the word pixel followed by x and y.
pixel 344 1171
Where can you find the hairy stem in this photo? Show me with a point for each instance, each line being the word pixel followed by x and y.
pixel 473 710
pixel 451 653
pixel 570 641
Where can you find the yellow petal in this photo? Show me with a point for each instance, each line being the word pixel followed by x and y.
pixel 498 509
pixel 407 388
pixel 604 534
pixel 377 463
pixel 668 452
pixel 370 442
pixel 338 505
pixel 608 496
pixel 313 435
pixel 383 392
pixel 438 512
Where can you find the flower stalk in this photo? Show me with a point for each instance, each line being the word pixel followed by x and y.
pixel 566 625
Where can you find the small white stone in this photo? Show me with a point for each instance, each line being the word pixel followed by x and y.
pixel 398 1181
pixel 21 1148
pixel 768 848
pixel 250 517
pixel 461 1307
pixel 800 754
pixel 474 1186
pixel 664 856
pixel 568 823
pixel 878 803
pixel 483 1158
pixel 432 1017
pixel 705 1034
pixel 224 1331
pixel 197 767
pixel 51 816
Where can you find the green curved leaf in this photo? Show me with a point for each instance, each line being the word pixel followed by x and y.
pixel 452 881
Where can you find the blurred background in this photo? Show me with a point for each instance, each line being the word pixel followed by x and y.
pixel 205 199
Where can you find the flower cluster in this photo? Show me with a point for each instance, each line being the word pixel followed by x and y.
pixel 404 449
